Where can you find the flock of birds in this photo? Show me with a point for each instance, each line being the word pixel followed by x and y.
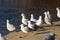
pixel 28 25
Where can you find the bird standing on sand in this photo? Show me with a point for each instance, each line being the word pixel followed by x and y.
pixel 49 16
pixel 58 12
pixel 39 21
pixel 51 36
pixel 24 29
pixel 32 18
pixel 24 20
pixel 47 19
pixel 10 27
pixel 31 25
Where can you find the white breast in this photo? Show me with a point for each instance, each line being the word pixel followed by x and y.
pixel 31 25
pixel 39 21
pixel 24 29
pixel 10 27
pixel 46 19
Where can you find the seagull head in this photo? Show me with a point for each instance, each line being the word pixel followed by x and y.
pixel 22 25
pixel 57 8
pixel 31 15
pixel 44 13
pixel 22 14
pixel 40 17
pixel 47 11
pixel 29 22
pixel 7 21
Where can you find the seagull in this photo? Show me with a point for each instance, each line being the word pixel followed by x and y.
pixel 10 27
pixel 24 20
pixel 58 12
pixel 31 25
pixel 1 37
pixel 51 36
pixel 47 19
pixel 24 28
pixel 39 21
pixel 49 16
pixel 32 18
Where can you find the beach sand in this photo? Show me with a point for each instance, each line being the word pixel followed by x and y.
pixel 39 34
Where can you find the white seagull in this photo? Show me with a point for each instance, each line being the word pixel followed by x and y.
pixel 58 12
pixel 1 38
pixel 24 20
pixel 39 21
pixel 24 28
pixel 10 27
pixel 32 18
pixel 49 16
pixel 31 25
pixel 46 19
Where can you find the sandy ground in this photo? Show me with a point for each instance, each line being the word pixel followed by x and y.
pixel 39 34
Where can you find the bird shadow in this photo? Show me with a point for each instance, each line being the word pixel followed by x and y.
pixel 57 25
pixel 47 25
pixel 43 29
pixel 42 32
pixel 17 29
